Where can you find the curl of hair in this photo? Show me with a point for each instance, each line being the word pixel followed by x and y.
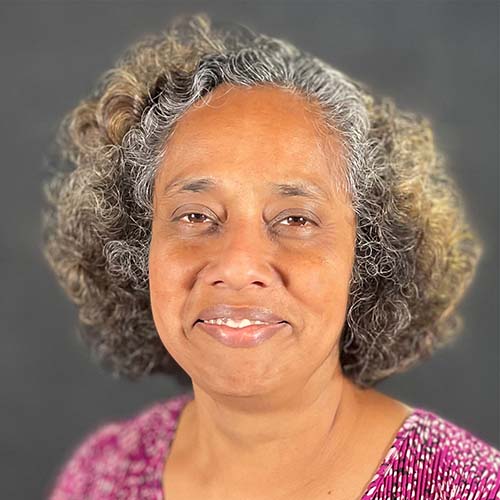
pixel 415 253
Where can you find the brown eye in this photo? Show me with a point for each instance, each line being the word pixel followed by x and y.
pixel 194 220
pixel 197 218
pixel 301 219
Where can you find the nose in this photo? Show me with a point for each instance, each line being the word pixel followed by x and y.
pixel 243 259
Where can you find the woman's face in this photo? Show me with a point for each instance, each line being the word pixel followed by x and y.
pixel 247 244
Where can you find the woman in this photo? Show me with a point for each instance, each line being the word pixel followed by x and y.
pixel 243 213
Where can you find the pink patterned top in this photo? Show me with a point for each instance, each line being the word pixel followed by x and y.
pixel 430 459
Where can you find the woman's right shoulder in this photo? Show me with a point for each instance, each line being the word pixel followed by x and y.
pixel 97 449
pixel 102 460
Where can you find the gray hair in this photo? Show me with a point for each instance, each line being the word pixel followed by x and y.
pixel 415 254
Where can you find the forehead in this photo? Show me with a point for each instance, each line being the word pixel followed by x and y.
pixel 261 132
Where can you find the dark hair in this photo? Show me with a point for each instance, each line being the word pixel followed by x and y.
pixel 415 253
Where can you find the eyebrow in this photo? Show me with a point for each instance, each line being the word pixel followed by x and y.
pixel 285 189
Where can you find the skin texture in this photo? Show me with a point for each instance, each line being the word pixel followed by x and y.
pixel 279 419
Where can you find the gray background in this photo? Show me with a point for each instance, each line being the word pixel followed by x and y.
pixel 437 58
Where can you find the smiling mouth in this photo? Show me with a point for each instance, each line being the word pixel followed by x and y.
pixel 247 336
pixel 260 324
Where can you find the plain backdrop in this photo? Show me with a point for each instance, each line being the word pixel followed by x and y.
pixel 434 57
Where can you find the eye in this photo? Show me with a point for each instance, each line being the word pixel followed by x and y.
pixel 303 220
pixel 193 220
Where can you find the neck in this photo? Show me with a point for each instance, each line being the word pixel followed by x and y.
pixel 260 443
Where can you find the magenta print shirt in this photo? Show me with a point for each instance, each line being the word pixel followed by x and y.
pixel 430 459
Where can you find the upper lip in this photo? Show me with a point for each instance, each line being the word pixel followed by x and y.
pixel 239 313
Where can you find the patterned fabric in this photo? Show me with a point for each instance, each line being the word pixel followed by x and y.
pixel 430 459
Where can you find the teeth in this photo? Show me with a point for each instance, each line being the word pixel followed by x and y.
pixel 234 324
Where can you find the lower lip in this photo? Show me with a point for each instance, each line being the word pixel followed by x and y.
pixel 248 336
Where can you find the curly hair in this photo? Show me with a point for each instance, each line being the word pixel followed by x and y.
pixel 415 253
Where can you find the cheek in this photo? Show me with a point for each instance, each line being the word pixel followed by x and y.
pixel 322 283
pixel 324 289
pixel 163 271
pixel 169 295
pixel 167 286
pixel 169 267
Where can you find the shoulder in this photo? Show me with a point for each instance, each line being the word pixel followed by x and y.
pixel 448 460
pixel 119 452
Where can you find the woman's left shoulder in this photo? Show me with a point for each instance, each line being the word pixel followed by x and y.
pixel 467 461
pixel 455 439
